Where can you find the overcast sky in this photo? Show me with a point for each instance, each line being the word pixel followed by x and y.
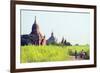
pixel 73 26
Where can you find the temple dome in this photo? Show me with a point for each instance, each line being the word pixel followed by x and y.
pixel 52 39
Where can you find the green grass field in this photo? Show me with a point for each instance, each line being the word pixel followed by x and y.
pixel 31 53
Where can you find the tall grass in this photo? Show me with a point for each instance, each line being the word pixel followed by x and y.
pixel 32 53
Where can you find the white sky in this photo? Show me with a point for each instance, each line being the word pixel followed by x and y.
pixel 73 26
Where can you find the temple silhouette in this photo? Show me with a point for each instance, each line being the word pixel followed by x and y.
pixel 35 37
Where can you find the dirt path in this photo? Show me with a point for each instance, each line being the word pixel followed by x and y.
pixel 73 58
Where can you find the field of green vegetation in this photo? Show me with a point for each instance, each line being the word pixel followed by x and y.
pixel 32 53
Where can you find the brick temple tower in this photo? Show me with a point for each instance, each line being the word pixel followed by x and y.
pixel 36 36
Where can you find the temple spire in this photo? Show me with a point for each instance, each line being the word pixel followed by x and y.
pixel 52 34
pixel 35 20
pixel 35 27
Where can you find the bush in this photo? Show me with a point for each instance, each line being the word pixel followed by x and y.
pixel 43 53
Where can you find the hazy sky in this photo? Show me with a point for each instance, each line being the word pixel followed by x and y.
pixel 73 26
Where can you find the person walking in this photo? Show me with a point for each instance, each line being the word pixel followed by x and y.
pixel 76 54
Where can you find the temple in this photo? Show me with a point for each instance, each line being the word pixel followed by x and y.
pixel 52 39
pixel 35 37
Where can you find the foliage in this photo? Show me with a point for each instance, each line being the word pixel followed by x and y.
pixel 32 53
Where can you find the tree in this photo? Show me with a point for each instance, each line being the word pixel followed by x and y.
pixel 62 42
pixel 76 44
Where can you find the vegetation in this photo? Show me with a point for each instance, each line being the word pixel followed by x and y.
pixel 32 53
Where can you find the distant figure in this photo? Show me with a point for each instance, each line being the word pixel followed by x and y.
pixel 76 54
pixel 82 54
